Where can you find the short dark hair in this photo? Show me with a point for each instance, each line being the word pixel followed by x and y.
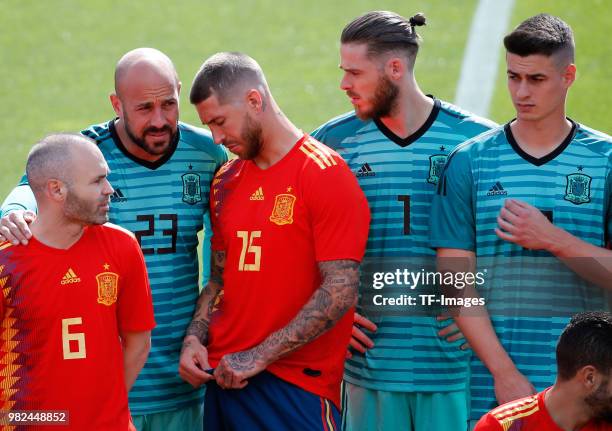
pixel 542 34
pixel 587 340
pixel 384 31
pixel 220 73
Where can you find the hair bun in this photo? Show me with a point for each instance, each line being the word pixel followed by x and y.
pixel 418 20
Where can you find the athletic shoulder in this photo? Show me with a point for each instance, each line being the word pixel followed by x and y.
pixel 519 410
pixel 319 157
pixel 477 146
pixel 98 132
pixel 114 231
pixel 333 132
pixel 202 140
pixel 462 118
pixel 596 141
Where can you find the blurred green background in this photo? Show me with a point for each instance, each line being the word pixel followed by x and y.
pixel 57 57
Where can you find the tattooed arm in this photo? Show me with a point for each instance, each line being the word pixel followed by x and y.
pixel 194 356
pixel 336 295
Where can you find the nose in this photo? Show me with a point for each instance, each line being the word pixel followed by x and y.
pixel 345 82
pixel 522 92
pixel 218 136
pixel 158 119
pixel 108 189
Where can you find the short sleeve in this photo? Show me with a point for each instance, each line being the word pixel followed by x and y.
pixel 135 302
pixel 339 212
pixel 216 240
pixel 452 218
pixel 20 198
pixel 608 234
pixel 488 423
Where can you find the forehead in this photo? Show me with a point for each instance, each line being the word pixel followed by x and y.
pixel 535 63
pixel 143 83
pixel 211 109
pixel 352 54
pixel 88 161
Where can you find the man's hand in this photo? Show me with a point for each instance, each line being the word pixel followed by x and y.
pixel 359 340
pixel 193 362
pixel 452 332
pixel 14 226
pixel 511 385
pixel 525 225
pixel 235 368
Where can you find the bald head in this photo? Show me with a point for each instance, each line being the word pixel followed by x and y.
pixel 138 62
pixel 52 158
pixel 226 75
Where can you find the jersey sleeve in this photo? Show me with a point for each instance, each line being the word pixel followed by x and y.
pixel 135 303
pixel 339 212
pixel 452 218
pixel 608 234
pixel 216 241
pixel 206 252
pixel 20 198
pixel 488 423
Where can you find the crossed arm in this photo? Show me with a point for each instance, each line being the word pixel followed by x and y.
pixel 336 295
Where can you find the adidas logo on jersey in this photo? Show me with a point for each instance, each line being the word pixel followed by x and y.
pixel 365 171
pixel 70 277
pixel 117 196
pixel 257 195
pixel 497 190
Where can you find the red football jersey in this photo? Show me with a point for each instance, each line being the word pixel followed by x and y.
pixel 275 225
pixel 62 312
pixel 527 414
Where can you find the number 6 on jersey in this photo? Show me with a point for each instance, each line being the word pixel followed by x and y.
pixel 248 248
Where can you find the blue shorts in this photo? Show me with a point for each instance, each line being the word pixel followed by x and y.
pixel 267 403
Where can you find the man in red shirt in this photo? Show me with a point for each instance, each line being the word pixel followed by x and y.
pixel 290 227
pixel 76 310
pixel 581 398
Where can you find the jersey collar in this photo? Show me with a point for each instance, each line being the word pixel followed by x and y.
pixel 547 158
pixel 404 142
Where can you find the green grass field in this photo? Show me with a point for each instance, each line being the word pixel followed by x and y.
pixel 58 56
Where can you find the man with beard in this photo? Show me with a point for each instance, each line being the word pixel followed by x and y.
pixel 76 309
pixel 581 398
pixel 396 142
pixel 289 230
pixel 161 171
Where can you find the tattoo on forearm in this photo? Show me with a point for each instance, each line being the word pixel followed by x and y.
pixel 336 295
pixel 206 302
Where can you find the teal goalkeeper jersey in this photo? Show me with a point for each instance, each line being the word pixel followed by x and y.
pixel 399 177
pixel 529 294
pixel 165 204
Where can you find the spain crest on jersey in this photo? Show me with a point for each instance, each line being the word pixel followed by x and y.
pixel 108 282
pixel 191 188
pixel 578 189
pixel 436 165
pixel 282 213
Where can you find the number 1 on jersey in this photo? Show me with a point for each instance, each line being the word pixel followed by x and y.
pixel 248 248
pixel 406 200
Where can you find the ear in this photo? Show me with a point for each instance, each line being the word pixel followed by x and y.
pixel 589 378
pixel 117 105
pixel 254 100
pixel 56 190
pixel 569 75
pixel 395 67
pixel 178 88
